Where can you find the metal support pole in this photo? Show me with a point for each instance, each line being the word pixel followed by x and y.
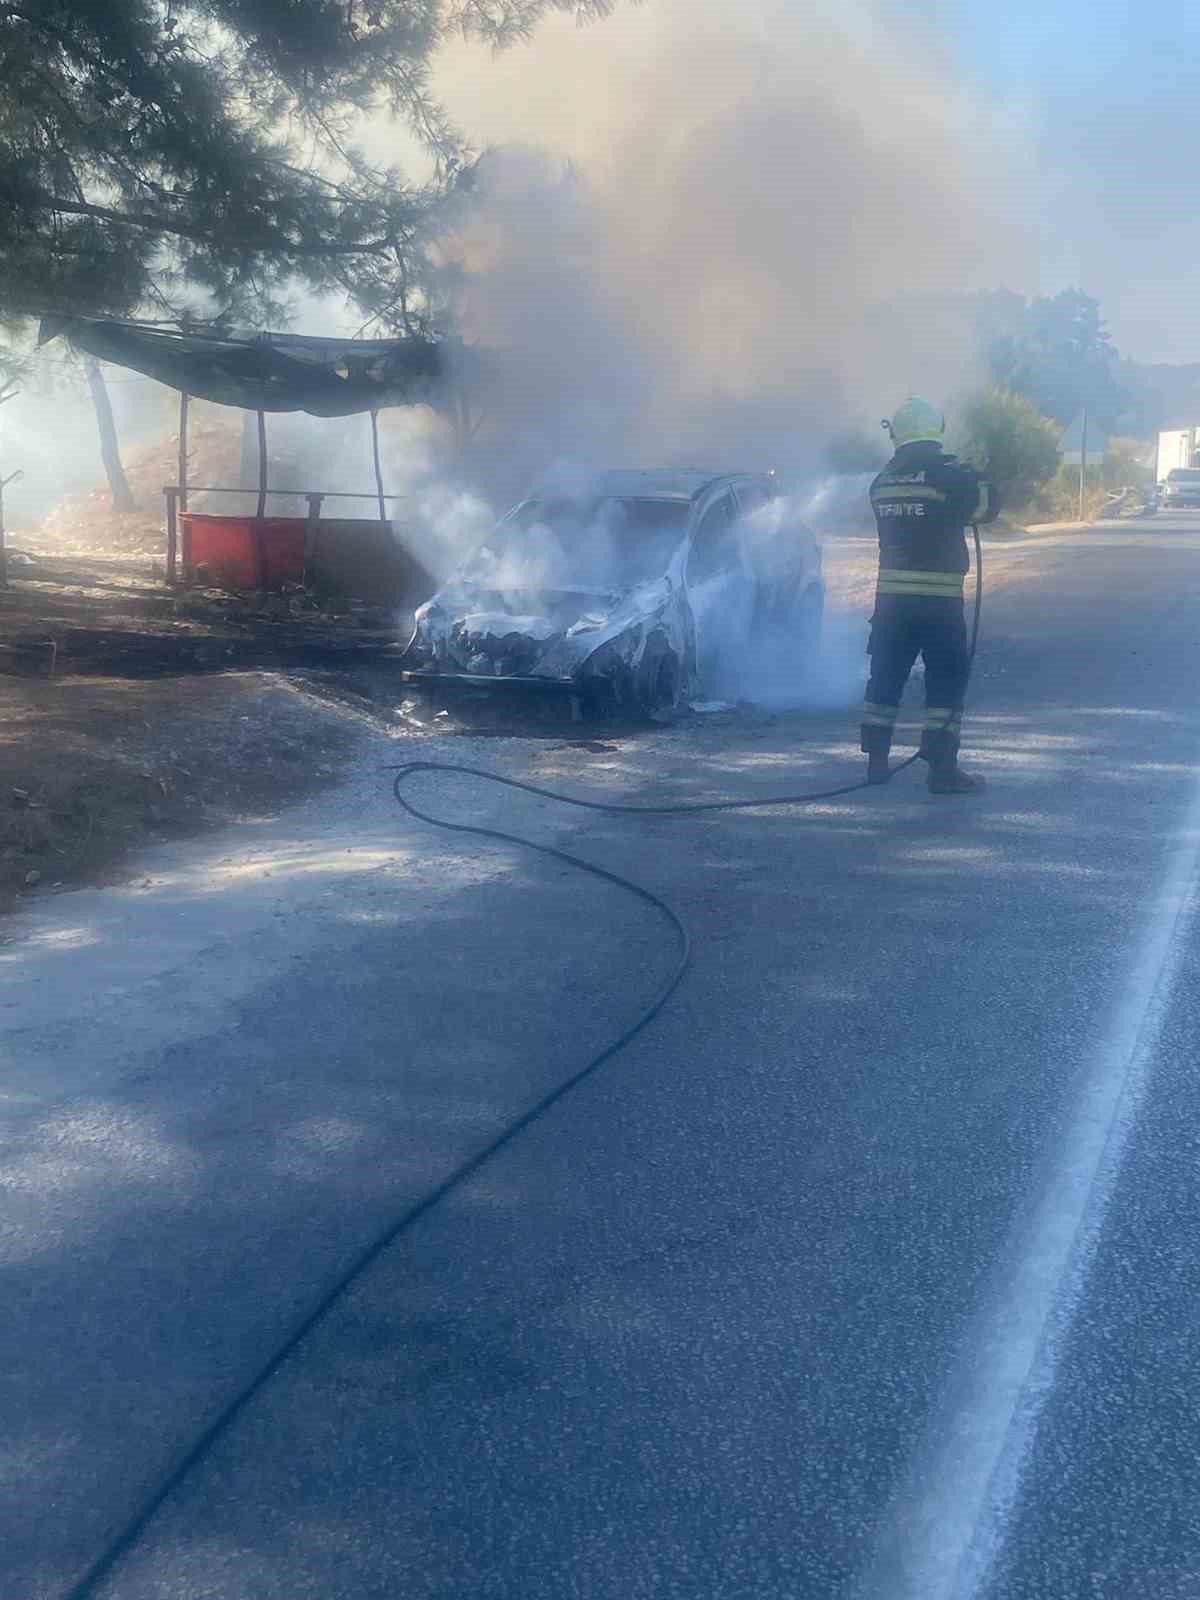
pixel 260 547
pixel 185 546
pixel 262 465
pixel 310 530
pixel 1082 463
pixel 246 458
pixel 183 452
pixel 172 533
pixel 383 516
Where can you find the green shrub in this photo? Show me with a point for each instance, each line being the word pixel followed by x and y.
pixel 1008 438
pixel 1057 500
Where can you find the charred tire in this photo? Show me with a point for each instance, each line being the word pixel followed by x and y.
pixel 608 698
pixel 658 678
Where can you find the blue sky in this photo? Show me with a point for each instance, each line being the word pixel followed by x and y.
pixel 1093 107
pixel 1068 42
pixel 1108 94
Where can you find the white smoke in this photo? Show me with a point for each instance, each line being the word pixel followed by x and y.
pixel 685 244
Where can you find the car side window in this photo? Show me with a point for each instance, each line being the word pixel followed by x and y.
pixel 714 547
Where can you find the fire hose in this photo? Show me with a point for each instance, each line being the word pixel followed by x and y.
pixel 86 1586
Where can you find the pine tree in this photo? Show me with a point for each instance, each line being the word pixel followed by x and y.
pixel 161 153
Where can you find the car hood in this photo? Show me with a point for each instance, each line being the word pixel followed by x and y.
pixel 539 632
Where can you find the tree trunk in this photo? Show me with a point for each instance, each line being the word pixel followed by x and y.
pixel 110 452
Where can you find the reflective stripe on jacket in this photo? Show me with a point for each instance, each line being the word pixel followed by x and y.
pixel 923 500
pixel 904 580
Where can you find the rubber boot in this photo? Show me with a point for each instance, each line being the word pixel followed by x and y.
pixel 953 780
pixel 940 750
pixel 877 747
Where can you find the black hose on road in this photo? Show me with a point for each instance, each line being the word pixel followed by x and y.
pixel 85 1588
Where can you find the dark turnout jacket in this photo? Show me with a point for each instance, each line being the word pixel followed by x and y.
pixel 923 501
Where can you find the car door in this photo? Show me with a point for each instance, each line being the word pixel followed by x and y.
pixel 720 589
pixel 762 549
pixel 780 547
pixel 782 552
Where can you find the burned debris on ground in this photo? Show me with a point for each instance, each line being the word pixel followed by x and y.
pixel 130 713
pixel 93 768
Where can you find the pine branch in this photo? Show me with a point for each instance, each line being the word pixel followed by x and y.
pixel 162 224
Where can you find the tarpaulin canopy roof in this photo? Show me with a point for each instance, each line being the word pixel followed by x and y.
pixel 267 371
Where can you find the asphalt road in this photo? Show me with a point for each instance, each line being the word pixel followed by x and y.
pixel 872 1269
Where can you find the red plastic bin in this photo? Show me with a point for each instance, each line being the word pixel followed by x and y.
pixel 244 552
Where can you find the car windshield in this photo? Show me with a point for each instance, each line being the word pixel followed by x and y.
pixel 609 543
pixel 1184 475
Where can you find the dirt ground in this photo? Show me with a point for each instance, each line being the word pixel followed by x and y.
pixel 130 712
pixel 92 768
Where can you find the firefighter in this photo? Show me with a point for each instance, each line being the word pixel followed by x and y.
pixel 923 501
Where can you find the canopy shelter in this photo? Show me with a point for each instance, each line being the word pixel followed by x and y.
pixel 262 372
pixel 265 371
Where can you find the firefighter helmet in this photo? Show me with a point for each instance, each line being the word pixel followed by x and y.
pixel 916 421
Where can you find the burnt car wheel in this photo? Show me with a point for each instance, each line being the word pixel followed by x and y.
pixel 657 682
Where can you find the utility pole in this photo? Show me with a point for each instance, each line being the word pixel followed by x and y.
pixel 1082 463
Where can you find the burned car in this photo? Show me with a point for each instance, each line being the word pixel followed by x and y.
pixel 629 594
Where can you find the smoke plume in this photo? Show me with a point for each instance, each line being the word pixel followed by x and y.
pixel 686 240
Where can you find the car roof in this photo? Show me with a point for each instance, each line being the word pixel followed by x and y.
pixel 659 483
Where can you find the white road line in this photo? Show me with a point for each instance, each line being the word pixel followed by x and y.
pixel 946 1525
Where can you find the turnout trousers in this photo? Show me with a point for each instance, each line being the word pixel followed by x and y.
pixel 904 627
